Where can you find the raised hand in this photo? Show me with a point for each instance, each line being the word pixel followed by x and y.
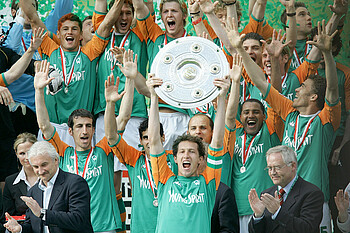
pixel 5 96
pixel 276 46
pixel 118 53
pixel 339 7
pixel 287 3
pixel 342 203
pixel 129 68
pixel 255 203
pixel 236 70
pixel 111 89
pixel 271 203
pixel 41 75
pixel 223 84
pixel 207 6
pixel 153 82
pixel 233 34
pixel 37 39
pixel 12 225
pixel 193 6
pixel 323 41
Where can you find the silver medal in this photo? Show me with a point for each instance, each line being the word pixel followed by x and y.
pixel 155 203
pixel 66 90
pixel 242 169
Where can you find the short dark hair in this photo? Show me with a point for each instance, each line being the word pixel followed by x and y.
pixel 190 138
pixel 128 2
pixel 144 126
pixel 211 122
pixel 86 18
pixel 80 113
pixel 70 17
pixel 336 41
pixel 254 101
pixel 284 13
pixel 253 36
pixel 319 88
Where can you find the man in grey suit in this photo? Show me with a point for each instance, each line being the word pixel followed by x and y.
pixel 59 202
pixel 292 204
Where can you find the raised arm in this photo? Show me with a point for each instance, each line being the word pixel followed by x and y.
pixel 207 8
pixel 291 29
pixel 141 9
pixel 217 140
pixel 130 71
pixel 253 70
pixel 101 6
pixel 104 29
pixel 274 50
pixel 30 11
pixel 40 82
pixel 112 96
pixel 156 146
pixel 196 18
pixel 233 100
pixel 21 65
pixel 339 9
pixel 324 43
pixel 259 8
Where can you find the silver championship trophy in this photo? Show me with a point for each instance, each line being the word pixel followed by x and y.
pixel 188 67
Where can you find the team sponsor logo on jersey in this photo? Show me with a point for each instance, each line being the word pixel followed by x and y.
pixel 190 199
pixel 144 184
pixel 290 142
pixel 77 76
pixel 257 149
pixel 94 172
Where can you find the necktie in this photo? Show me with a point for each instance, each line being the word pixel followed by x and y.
pixel 280 195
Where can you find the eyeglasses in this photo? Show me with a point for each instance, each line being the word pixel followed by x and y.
pixel 276 168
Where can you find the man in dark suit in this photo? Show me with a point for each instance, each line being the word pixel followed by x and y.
pixel 59 202
pixel 292 204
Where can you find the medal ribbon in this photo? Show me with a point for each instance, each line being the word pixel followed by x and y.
pixel 283 78
pixel 122 43
pixel 205 111
pixel 245 152
pixel 166 39
pixel 64 70
pixel 245 97
pixel 150 178
pixel 86 163
pixel 295 136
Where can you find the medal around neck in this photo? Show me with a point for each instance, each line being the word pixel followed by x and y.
pixel 57 83
pixel 188 67
pixel 155 203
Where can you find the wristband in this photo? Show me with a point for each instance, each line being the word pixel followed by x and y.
pixel 195 13
pixel 291 14
pixel 197 21
pixel 230 3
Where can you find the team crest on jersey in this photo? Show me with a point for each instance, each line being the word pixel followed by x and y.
pixel 78 60
pixel 177 183
pixel 196 182
pixel 126 43
pixel 292 123
pixel 94 157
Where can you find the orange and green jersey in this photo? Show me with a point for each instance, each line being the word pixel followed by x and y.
pixel 190 200
pixel 96 167
pixel 156 39
pixel 312 144
pixel 131 40
pixel 343 74
pixel 143 189
pixel 81 88
pixel 250 151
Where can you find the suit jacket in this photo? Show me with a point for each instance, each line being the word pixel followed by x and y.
pixel 11 199
pixel 301 212
pixel 68 210
pixel 225 213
